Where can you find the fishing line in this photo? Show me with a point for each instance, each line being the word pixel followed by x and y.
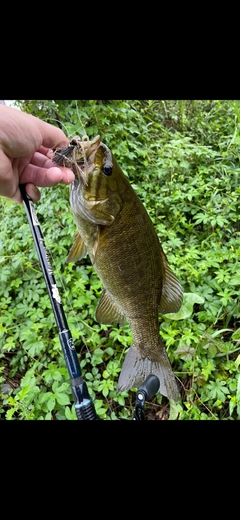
pixel 61 123
pixel 69 136
pixel 79 118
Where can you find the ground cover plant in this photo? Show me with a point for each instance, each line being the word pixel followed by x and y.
pixel 182 158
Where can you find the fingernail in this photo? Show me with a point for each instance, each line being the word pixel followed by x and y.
pixel 34 193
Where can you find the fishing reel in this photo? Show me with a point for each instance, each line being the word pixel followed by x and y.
pixel 85 408
pixel 145 392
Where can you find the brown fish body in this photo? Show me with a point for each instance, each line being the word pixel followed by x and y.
pixel 115 230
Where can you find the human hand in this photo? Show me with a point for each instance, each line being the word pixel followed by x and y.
pixel 25 154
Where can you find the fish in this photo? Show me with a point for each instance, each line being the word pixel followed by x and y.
pixel 115 230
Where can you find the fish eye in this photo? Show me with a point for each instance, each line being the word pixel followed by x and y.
pixel 107 170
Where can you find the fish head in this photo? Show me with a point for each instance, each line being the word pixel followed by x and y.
pixel 95 194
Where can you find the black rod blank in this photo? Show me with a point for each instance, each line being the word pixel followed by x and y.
pixel 83 403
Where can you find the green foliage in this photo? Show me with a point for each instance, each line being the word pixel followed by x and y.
pixel 182 158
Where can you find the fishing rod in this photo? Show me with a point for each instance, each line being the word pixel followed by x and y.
pixel 83 403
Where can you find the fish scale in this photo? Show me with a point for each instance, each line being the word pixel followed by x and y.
pixel 116 231
pixel 135 269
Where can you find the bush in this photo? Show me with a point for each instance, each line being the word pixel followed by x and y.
pixel 182 158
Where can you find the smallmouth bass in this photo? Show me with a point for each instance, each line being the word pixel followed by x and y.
pixel 114 228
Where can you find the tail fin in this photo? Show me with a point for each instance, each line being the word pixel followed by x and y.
pixel 136 368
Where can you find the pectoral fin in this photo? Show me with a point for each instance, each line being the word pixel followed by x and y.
pixel 108 312
pixel 78 250
pixel 172 295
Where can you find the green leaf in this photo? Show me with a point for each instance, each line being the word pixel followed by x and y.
pixel 189 299
pixel 185 352
pixel 232 405
pixel 237 360
pixel 63 399
pixel 218 390
pixel 173 410
pixel 10 413
pixel 235 280
pixel 100 408
pixel 208 369
pixel 62 388
pixel 45 397
pixel 238 389
pixel 105 391
pixel 70 413
pixel 51 403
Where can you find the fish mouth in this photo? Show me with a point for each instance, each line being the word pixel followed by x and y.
pixel 79 155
